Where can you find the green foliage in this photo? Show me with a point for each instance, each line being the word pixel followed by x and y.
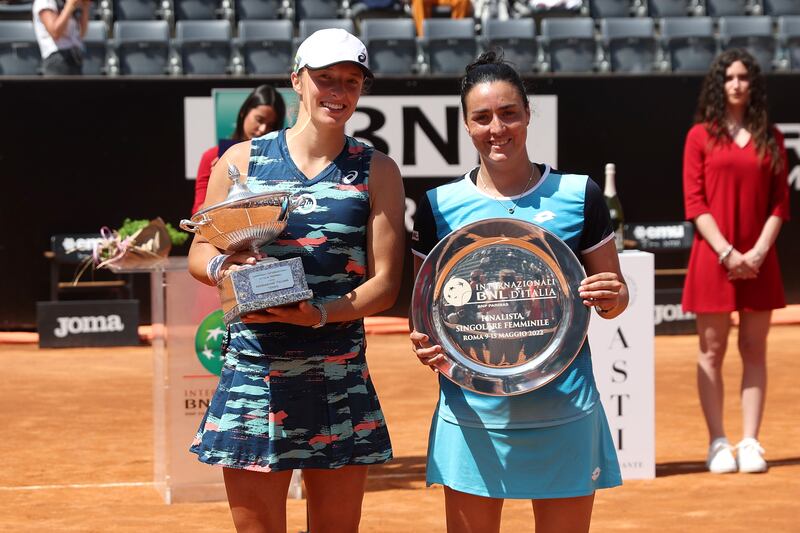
pixel 129 227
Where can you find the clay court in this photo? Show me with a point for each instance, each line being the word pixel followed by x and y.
pixel 77 449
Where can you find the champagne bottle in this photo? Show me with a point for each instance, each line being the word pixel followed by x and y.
pixel 614 205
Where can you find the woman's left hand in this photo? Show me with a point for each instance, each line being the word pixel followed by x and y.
pixel 300 314
pixel 601 291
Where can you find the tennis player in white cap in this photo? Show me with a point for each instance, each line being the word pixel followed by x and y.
pixel 295 391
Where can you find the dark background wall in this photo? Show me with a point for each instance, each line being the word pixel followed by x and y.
pixel 79 154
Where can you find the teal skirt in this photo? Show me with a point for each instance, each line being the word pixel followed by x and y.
pixel 564 461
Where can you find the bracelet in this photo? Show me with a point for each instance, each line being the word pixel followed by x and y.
pixel 323 316
pixel 725 253
pixel 214 267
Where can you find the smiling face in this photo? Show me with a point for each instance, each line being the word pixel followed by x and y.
pixel 258 121
pixel 737 85
pixel 497 121
pixel 329 95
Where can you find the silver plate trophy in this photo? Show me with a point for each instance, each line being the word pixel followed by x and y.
pixel 501 298
pixel 245 220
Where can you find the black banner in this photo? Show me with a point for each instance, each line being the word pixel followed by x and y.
pixel 116 150
pixel 72 324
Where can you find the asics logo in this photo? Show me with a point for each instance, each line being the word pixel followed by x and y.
pixel 544 216
pixel 350 177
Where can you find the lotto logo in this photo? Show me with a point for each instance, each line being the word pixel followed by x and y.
pixel 457 292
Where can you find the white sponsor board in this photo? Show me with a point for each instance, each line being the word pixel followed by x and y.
pixel 425 135
pixel 623 361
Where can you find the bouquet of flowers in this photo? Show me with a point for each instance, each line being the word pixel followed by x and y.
pixel 136 244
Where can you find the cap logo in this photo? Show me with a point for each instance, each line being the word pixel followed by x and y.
pixel 362 57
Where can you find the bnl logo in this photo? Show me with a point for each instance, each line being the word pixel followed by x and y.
pixel 791 134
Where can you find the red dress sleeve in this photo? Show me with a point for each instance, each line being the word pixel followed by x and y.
pixel 779 191
pixel 203 174
pixel 694 194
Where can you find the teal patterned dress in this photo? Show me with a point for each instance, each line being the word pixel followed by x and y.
pixel 292 396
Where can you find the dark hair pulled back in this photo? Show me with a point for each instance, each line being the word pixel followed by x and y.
pixel 488 67
pixel 261 95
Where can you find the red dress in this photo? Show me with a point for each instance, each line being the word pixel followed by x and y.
pixel 740 191
pixel 203 174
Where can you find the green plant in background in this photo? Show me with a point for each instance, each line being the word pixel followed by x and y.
pixel 130 227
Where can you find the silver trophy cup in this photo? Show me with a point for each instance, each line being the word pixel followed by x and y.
pixel 245 220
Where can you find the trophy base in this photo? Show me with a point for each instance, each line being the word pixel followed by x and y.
pixel 266 284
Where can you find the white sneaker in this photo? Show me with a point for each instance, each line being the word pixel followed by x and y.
pixel 720 457
pixel 750 455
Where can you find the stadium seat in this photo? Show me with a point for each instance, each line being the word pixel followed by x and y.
pixel 196 9
pixel 752 33
pixel 19 50
pixel 599 9
pixel 392 45
pixel 316 9
pixel 140 9
pixel 258 9
pixel 569 44
pixel 726 8
pixel 667 8
pixel 204 46
pixel 777 8
pixel 141 47
pixel 631 44
pixel 307 27
pixel 689 42
pixel 449 44
pixel 517 38
pixel 94 57
pixel 789 36
pixel 266 46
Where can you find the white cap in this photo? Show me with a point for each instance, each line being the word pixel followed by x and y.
pixel 330 46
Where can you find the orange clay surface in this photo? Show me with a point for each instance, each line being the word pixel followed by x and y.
pixel 76 449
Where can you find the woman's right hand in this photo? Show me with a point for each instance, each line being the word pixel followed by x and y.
pixel 738 266
pixel 240 260
pixel 427 354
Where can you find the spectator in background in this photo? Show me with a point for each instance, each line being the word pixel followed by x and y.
pixel 60 26
pixel 423 9
pixel 736 192
pixel 263 111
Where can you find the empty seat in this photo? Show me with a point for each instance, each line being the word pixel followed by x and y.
pixel 776 8
pixel 316 9
pixel 667 8
pixel 204 46
pixel 196 9
pixel 19 50
pixel 726 8
pixel 392 45
pixel 631 44
pixel 609 8
pixel 751 33
pixel 95 51
pixel 789 35
pixel 689 42
pixel 569 44
pixel 139 9
pixel 449 44
pixel 141 47
pixel 258 9
pixel 266 46
pixel 517 38
pixel 307 27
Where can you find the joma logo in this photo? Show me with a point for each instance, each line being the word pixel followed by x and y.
pixel 73 325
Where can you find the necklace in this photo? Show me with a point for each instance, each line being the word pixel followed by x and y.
pixel 513 207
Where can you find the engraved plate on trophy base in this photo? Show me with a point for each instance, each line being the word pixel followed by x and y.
pixel 265 284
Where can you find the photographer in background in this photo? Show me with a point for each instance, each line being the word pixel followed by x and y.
pixel 60 31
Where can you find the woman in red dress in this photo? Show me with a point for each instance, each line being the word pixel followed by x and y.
pixel 736 193
pixel 262 111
